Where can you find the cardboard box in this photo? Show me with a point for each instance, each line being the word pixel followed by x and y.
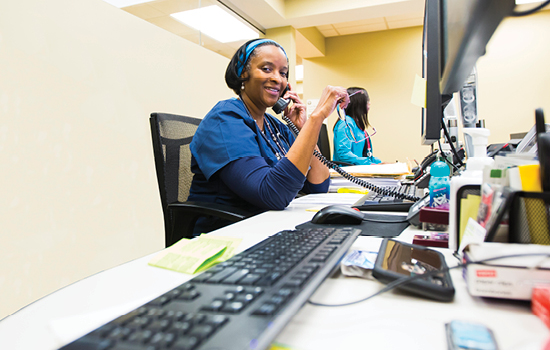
pixel 510 277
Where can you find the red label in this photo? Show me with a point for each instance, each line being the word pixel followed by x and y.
pixel 486 273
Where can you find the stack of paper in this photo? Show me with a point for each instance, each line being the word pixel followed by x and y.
pixel 383 170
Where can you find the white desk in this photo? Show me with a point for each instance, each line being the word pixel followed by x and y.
pixel 390 321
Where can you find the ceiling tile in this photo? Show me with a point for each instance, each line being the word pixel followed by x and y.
pixel 362 29
pixel 405 23
pixel 359 23
pixel 325 27
pixel 405 17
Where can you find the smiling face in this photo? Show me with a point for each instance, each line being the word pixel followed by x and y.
pixel 267 77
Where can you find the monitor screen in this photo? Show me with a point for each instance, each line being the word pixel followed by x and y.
pixel 467 26
pixel 431 72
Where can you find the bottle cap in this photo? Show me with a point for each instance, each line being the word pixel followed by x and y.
pixel 439 169
pixel 496 173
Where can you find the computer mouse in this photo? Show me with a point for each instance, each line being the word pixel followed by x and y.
pixel 338 214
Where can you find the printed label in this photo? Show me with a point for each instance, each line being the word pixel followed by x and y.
pixel 486 273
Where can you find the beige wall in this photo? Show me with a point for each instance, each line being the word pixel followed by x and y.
pixel 78 80
pixel 513 80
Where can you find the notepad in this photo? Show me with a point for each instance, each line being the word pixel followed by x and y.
pixel 196 255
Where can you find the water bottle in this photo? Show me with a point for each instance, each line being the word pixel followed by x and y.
pixel 440 185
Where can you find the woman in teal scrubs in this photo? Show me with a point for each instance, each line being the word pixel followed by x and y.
pixel 352 140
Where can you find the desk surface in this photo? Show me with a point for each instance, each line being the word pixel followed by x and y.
pixel 389 321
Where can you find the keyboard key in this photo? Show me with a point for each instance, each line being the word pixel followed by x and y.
pixel 216 321
pixel 189 295
pixel 186 343
pixel 237 276
pixel 250 279
pixel 215 305
pixel 233 307
pixel 181 327
pixel 202 331
pixel 220 276
pixel 265 309
pixel 89 342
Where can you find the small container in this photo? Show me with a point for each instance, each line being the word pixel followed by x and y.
pixel 440 185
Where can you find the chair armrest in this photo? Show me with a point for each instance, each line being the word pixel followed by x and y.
pixel 212 209
pixel 185 214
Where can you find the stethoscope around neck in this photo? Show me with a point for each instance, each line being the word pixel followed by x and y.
pixel 277 137
pixel 369 146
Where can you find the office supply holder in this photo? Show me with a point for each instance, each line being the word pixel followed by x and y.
pixel 529 218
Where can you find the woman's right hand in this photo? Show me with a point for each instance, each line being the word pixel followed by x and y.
pixel 331 97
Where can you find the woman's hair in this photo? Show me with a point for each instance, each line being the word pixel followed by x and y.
pixel 357 107
pixel 240 62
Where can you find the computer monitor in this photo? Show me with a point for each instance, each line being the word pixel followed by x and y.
pixel 431 72
pixel 455 35
pixel 467 26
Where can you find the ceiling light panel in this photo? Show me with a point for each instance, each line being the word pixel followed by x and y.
pixel 216 23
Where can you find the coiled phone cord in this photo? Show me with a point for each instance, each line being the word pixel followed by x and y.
pixel 349 177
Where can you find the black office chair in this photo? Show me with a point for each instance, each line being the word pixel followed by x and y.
pixel 324 146
pixel 171 136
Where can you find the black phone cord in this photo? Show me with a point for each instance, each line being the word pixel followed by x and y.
pixel 349 177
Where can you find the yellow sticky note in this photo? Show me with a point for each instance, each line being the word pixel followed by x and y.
pixel 231 243
pixel 195 255
pixel 530 177
pixel 352 190
pixel 469 207
pixel 418 97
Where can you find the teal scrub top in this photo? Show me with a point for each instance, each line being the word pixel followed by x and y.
pixel 349 151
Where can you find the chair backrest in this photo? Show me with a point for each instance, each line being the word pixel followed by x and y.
pixel 323 142
pixel 171 135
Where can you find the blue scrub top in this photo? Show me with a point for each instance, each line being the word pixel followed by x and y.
pixel 348 151
pixel 226 134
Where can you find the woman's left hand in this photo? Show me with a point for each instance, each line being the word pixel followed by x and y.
pixel 296 112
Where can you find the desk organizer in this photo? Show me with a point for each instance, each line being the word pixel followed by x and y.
pixel 529 218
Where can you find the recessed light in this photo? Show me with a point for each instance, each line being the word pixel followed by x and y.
pixel 216 23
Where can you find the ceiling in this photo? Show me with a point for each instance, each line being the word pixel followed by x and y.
pixel 330 17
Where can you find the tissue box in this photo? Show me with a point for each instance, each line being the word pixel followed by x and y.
pixel 507 278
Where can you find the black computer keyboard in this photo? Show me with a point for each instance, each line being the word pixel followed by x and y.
pixel 376 201
pixel 242 303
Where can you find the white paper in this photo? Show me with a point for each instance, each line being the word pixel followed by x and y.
pixel 378 169
pixel 474 233
pixel 324 199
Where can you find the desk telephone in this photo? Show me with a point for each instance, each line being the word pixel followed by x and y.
pixel 278 108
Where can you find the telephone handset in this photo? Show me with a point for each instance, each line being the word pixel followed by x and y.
pixel 281 104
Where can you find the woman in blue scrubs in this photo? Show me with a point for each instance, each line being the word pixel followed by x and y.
pixel 352 141
pixel 246 158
